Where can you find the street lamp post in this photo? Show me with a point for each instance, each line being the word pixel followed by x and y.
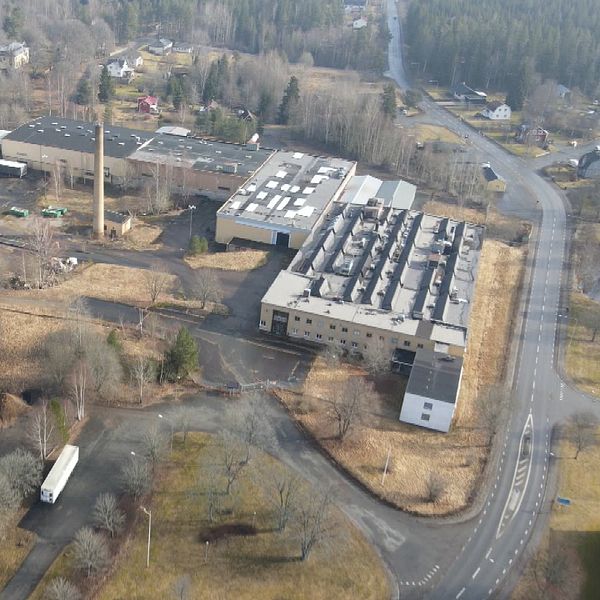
pixel 191 208
pixel 149 513
pixel 42 156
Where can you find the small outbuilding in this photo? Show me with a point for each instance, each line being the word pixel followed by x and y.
pixel 148 105
pixel 160 47
pixel 116 224
pixel 493 181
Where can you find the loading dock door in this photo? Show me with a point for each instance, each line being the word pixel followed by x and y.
pixel 279 323
pixel 282 239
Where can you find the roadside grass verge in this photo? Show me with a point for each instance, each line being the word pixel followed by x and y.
pixel 582 355
pixel 458 457
pixel 574 533
pixel 246 559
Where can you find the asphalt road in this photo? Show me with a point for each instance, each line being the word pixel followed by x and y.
pixel 513 506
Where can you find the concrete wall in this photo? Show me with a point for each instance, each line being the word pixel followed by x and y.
pixel 415 411
pixel 347 335
pixel 80 164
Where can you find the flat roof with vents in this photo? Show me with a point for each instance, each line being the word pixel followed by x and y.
pixel 79 136
pixel 394 269
pixel 291 191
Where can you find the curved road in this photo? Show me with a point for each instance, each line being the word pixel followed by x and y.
pixel 539 398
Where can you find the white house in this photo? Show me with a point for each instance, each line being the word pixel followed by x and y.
pixel 359 24
pixel 120 68
pixel 497 111
pixel 160 47
pixel 14 55
pixel 432 390
pixel 135 60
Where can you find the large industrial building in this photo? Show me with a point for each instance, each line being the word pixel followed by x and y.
pixel 194 166
pixel 374 279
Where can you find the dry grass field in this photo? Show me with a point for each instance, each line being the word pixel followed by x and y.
pixel 14 548
pixel 459 456
pixel 582 355
pixel 261 564
pixel 243 260
pixel 436 133
pixel 574 532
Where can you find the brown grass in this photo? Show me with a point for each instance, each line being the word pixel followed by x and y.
pixel 582 355
pixel 242 567
pixel 11 407
pixel 14 548
pixel 573 530
pixel 436 133
pixel 243 260
pixel 113 283
pixel 458 456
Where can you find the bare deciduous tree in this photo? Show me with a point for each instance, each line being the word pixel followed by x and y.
pixel 346 401
pixel 155 445
pixel 181 419
pixel 582 431
pixel 313 520
pixel 206 287
pixel 182 588
pixel 377 357
pixel 23 471
pixel 107 514
pixel 9 503
pixel 156 282
pixel 142 372
pixel 136 478
pixel 79 383
pixel 435 486
pixel 283 487
pixel 550 571
pixel 251 426
pixel 42 244
pixel 90 551
pixel 61 589
pixel 231 458
pixel 41 431
pixel 211 484
pixel 491 410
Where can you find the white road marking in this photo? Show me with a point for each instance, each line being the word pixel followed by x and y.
pixel 460 593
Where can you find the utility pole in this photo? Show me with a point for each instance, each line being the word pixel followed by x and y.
pixel 149 513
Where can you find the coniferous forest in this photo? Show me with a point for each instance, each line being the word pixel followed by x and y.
pixel 490 43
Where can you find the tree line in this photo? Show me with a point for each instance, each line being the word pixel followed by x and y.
pixel 494 45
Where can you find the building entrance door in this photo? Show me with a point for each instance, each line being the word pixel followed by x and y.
pixel 279 323
pixel 282 239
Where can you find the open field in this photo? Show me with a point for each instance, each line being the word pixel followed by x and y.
pixel 415 452
pixel 582 360
pixel 253 561
pixel 14 548
pixel 574 532
pixel 113 283
pixel 243 260
pixel 435 133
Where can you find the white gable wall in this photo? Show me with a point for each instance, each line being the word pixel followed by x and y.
pixel 415 410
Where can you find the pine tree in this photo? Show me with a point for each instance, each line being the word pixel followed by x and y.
pixel 289 101
pixel 212 84
pixel 83 95
pixel 106 89
pixel 388 100
pixel 520 85
pixel 182 358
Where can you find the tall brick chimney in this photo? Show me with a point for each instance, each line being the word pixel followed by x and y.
pixel 99 183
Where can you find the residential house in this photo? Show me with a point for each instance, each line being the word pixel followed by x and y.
pixel 13 55
pixel 135 60
pixel 493 181
pixel 160 47
pixel 358 24
pixel 467 94
pixel 183 48
pixel 243 114
pixel 497 111
pixel 532 135
pixel 119 68
pixel 148 105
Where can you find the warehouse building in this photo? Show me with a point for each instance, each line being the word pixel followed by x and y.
pixel 133 157
pixel 284 201
pixel 376 280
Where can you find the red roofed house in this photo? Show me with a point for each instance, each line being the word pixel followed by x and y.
pixel 148 104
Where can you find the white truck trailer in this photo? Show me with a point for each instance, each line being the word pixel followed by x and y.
pixel 11 168
pixel 59 474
